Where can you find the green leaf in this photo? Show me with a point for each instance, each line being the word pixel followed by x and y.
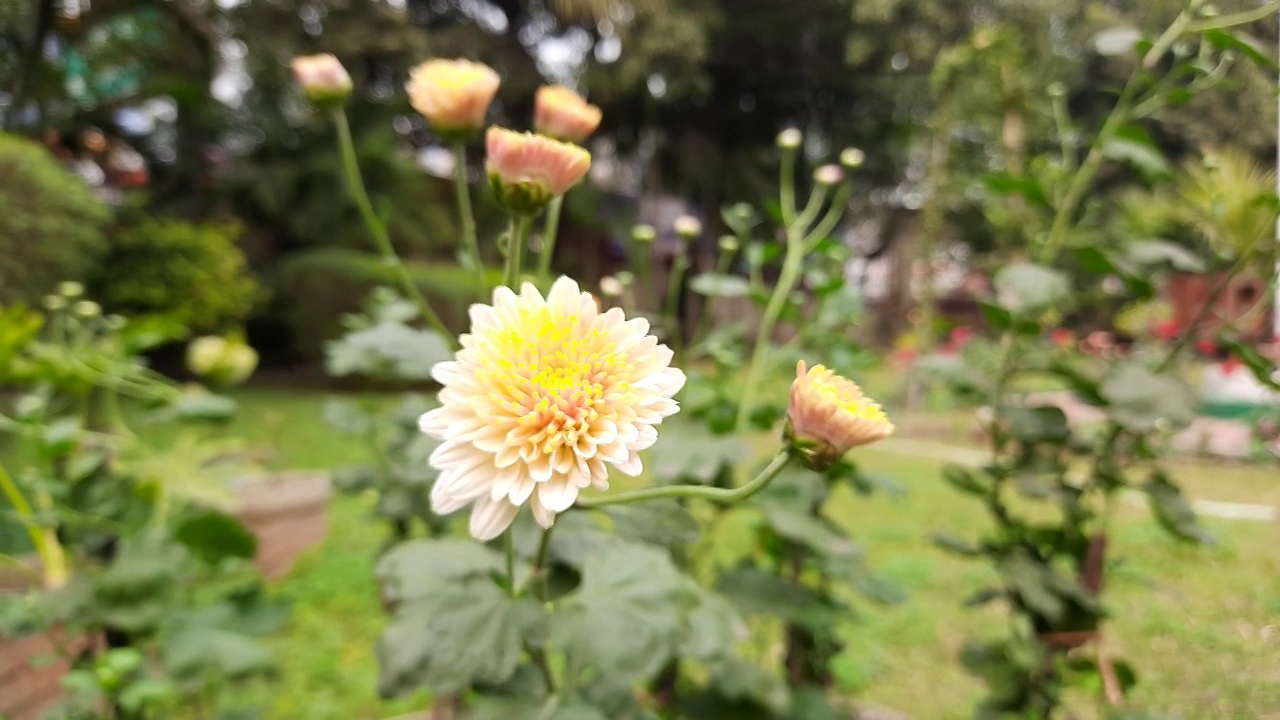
pixel 714 628
pixel 1262 368
pixel 1025 187
pixel 213 536
pixel 687 452
pixel 1029 288
pixel 1244 44
pixel 965 480
pixel 447 640
pixel 796 488
pixel 811 531
pixel 197 405
pixel 724 286
pixel 417 569
pixel 627 619
pixel 1037 424
pixel 755 592
pixel 1172 511
pixel 387 350
pixel 662 522
pixel 1027 578
pixel 194 651
pixel 1140 400
pixel 1153 252
pixel 738 680
pixel 1134 146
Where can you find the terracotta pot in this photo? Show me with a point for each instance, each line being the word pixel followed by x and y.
pixel 29 684
pixel 288 513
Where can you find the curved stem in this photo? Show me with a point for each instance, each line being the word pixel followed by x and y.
pixel 701 492
pixel 549 232
pixel 817 197
pixel 786 283
pixel 468 218
pixel 787 194
pixel 518 238
pixel 355 185
pixel 831 219
pixel 53 558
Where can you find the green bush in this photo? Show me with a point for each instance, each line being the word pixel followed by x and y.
pixel 50 222
pixel 319 286
pixel 192 272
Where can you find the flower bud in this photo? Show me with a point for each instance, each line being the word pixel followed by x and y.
pixel 828 176
pixel 626 278
pixel 117 322
pixel 70 289
pixel 852 158
pixel 87 309
pixel 728 244
pixel 643 233
pixel 1057 90
pixel 688 227
pixel 55 302
pixel 790 139
pixel 828 415
pixel 221 362
pixel 527 170
pixel 322 78
pixel 562 114
pixel 453 95
pixel 610 286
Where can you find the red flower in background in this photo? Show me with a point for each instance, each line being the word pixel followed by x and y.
pixel 1167 330
pixel 1062 337
pixel 1205 346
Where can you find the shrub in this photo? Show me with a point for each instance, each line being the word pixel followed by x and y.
pixel 50 222
pixel 319 286
pixel 192 272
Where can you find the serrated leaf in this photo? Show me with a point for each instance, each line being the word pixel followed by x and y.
pixel 723 286
pixel 755 592
pixel 686 452
pixel 457 635
pixel 627 619
pixel 1139 399
pixel 417 569
pixel 1046 423
pixel 714 627
pixel 387 350
pixel 194 651
pixel 810 531
pixel 1027 579
pixel 663 522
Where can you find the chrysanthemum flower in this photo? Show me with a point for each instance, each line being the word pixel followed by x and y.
pixel 527 170
pixel 453 95
pixel 828 415
pixel 563 114
pixel 544 396
pixel 322 78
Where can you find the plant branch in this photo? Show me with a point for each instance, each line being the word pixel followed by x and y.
pixel 720 495
pixel 355 185
pixel 549 232
pixel 463 191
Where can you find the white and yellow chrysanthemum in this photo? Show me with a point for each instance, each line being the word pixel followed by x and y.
pixel 544 395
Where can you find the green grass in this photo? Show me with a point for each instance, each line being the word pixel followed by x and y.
pixel 1202 625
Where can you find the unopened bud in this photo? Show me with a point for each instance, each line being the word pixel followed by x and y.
pixel 322 78
pixel 626 278
pixel 790 139
pixel 610 286
pixel 688 227
pixel 55 302
pixel 220 361
pixel 828 175
pixel 116 322
pixel 643 233
pixel 852 158
pixel 728 244
pixel 87 309
pixel 70 289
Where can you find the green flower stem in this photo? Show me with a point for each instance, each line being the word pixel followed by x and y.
pixel 509 547
pixel 53 558
pixel 700 492
pixel 787 194
pixel 355 185
pixel 540 570
pixel 723 262
pixel 674 280
pixel 518 238
pixel 791 266
pixel 817 197
pixel 549 233
pixel 463 191
pixel 829 221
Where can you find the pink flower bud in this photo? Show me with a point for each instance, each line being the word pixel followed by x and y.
pixel 322 78
pixel 562 114
pixel 828 415
pixel 453 95
pixel 527 170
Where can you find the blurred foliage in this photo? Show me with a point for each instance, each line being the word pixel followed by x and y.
pixel 323 285
pixel 193 272
pixel 50 222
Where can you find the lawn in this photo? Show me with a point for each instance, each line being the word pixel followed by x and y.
pixel 1201 624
